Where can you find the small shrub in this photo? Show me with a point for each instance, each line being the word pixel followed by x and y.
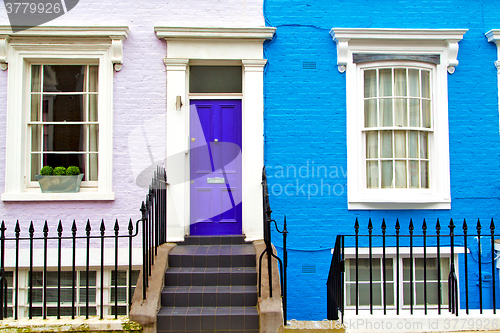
pixel 73 170
pixel 47 171
pixel 60 171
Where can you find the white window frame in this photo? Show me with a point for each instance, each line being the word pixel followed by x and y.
pixel 404 253
pixel 57 45
pixel 406 42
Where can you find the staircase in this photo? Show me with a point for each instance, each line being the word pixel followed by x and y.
pixel 210 286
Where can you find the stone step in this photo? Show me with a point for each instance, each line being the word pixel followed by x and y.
pixel 194 296
pixel 210 276
pixel 212 256
pixel 214 240
pixel 207 319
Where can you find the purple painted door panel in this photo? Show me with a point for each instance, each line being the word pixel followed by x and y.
pixel 215 157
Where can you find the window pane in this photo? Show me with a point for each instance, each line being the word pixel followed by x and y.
pixel 93 78
pixel 63 138
pixel 413 144
pixel 385 82
pixel 414 112
pixel 423 145
pixel 385 112
pixel 93 138
pixel 401 174
pixel 371 144
pixel 414 172
pixel 122 278
pixel 215 79
pixel 36 138
pixel 63 107
pixel 386 144
pixel 414 82
pixel 424 174
pixel 400 143
pixel 370 83
pixel 35 166
pixel 426 90
pixel 426 114
pixel 364 294
pixel 400 112
pixel 35 107
pixel 83 295
pixel 371 113
pixel 92 278
pixel 399 82
pixel 406 293
pixel 372 174
pixel 389 293
pixel 122 294
pixel 93 108
pixel 387 174
pixel 64 160
pixel 63 78
pixel 36 82
pixel 91 173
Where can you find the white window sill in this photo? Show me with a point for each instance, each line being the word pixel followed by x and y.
pixel 398 205
pixel 35 194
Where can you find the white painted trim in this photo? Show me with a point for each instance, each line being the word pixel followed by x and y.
pixel 62 45
pixel 493 37
pixel 224 46
pixel 214 33
pixel 397 41
pixel 449 38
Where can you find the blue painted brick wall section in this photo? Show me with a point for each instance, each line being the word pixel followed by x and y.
pixel 305 138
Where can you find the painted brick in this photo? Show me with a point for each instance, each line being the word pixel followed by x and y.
pixel 305 114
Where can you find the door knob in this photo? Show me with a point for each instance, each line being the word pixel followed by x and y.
pixel 216 140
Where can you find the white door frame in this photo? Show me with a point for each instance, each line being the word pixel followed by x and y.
pixel 185 45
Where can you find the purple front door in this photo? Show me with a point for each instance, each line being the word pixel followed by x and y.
pixel 215 157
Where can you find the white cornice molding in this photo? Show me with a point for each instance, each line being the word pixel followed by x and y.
pixel 68 31
pixel 117 34
pixel 449 37
pixel 173 64
pixel 494 37
pixel 256 33
pixel 4 48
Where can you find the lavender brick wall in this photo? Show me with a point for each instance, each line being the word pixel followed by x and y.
pixel 139 100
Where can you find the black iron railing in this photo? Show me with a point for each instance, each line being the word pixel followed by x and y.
pixel 266 207
pixel 50 288
pixel 428 264
pixel 53 292
pixel 154 223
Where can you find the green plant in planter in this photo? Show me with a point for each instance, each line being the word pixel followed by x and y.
pixel 60 179
pixel 73 170
pixel 47 171
pixel 60 171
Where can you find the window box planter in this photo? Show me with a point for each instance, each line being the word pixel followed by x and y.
pixel 60 184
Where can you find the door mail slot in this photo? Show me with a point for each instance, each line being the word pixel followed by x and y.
pixel 216 180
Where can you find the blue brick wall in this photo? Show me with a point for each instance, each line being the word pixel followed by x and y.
pixel 305 116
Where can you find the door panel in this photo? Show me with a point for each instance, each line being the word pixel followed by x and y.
pixel 215 157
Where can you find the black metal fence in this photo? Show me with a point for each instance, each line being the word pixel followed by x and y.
pixel 154 223
pixel 407 270
pixel 75 289
pixel 54 289
pixel 266 207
